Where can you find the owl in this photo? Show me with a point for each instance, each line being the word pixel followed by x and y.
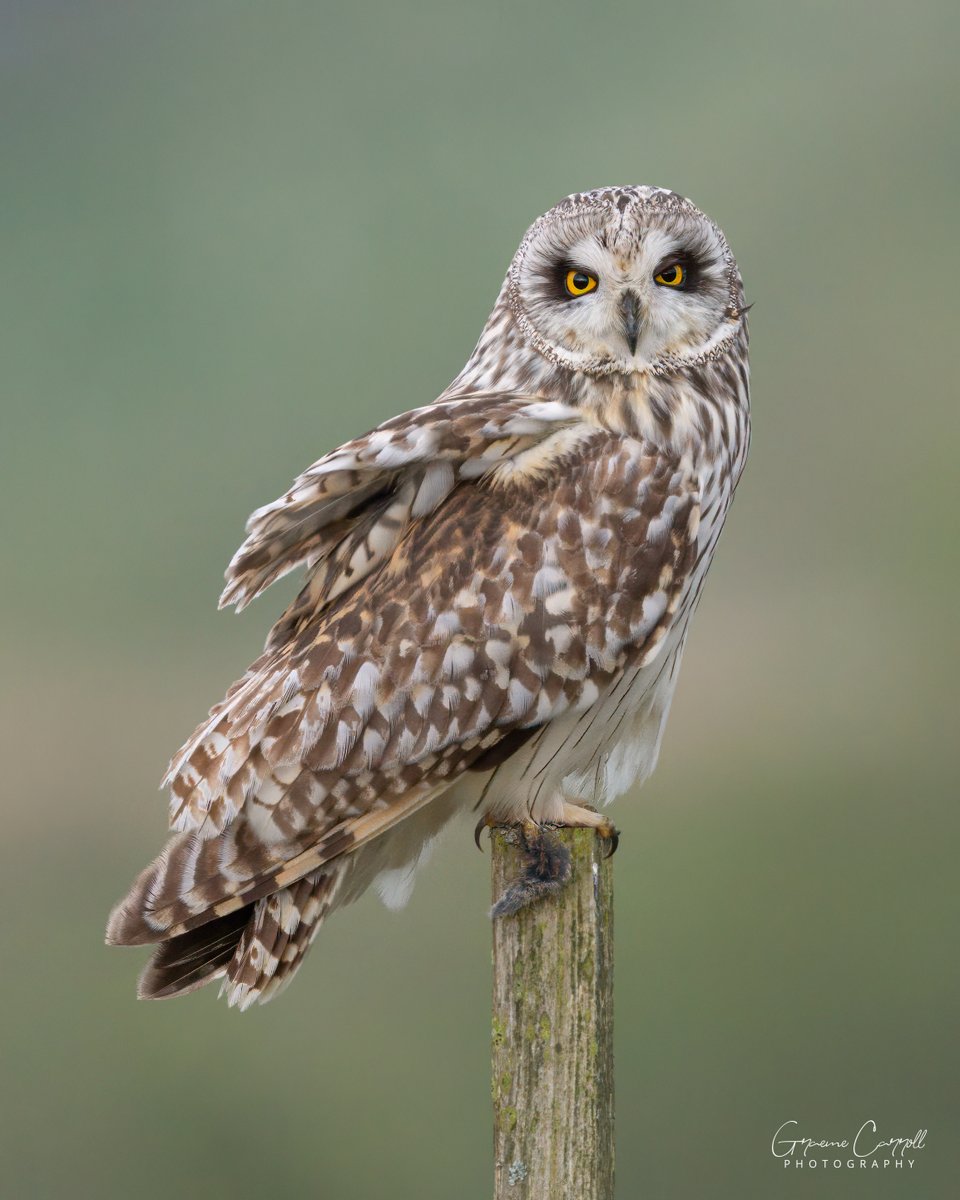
pixel 497 592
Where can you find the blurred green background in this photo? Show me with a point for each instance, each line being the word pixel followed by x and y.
pixel 233 235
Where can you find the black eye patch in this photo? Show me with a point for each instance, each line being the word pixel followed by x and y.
pixel 557 279
pixel 689 264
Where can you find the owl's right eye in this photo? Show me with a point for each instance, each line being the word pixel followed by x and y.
pixel 580 283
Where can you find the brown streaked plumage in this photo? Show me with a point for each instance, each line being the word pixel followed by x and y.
pixel 497 596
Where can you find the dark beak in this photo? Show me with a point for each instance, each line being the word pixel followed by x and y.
pixel 630 310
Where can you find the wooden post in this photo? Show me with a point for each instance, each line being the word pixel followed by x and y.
pixel 553 1030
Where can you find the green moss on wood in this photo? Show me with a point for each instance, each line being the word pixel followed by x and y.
pixel 552 1030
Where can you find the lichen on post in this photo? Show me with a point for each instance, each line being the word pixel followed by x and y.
pixel 553 1029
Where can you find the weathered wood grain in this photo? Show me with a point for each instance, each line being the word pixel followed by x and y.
pixel 553 1030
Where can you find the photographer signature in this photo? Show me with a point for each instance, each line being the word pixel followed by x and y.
pixel 866 1148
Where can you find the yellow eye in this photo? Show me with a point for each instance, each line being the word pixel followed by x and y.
pixel 579 283
pixel 671 276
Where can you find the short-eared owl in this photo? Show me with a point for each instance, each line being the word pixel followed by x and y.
pixel 498 590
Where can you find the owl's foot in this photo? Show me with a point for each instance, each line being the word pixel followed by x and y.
pixel 575 816
pixel 579 816
pixel 547 870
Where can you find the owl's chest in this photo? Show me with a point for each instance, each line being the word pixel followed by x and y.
pixel 618 746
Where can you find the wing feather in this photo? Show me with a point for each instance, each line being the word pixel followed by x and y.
pixel 517 597
pixel 348 499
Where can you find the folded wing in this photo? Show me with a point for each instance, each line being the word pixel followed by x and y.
pixel 498 563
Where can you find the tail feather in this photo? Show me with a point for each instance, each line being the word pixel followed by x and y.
pixel 257 949
pixel 193 881
pixel 277 938
pixel 196 879
pixel 258 944
pixel 189 961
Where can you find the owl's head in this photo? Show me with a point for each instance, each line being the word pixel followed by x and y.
pixel 626 279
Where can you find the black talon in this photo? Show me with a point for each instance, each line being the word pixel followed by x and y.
pixel 480 826
pixel 614 843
